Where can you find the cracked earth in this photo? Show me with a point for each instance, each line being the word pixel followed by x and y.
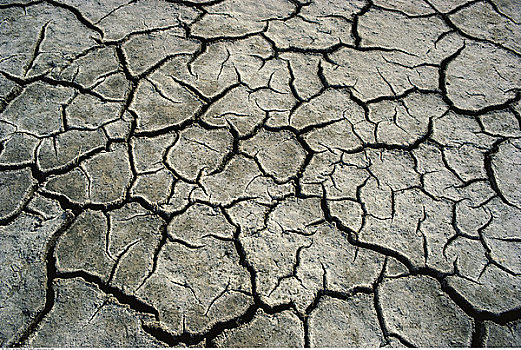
pixel 260 173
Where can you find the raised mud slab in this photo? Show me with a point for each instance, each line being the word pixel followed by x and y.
pixel 260 173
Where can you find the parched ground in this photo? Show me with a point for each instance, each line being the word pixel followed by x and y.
pixel 260 173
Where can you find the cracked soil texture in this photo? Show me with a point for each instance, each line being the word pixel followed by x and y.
pixel 280 173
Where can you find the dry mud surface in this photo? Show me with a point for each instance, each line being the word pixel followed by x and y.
pixel 260 173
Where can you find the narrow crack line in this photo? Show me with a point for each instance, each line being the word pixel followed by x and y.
pixel 489 108
pixel 127 37
pixel 491 174
pixel 488 250
pixel 113 10
pixel 502 14
pixel 10 97
pixel 20 4
pixel 319 295
pixel 401 96
pixel 67 204
pixel 226 59
pixel 77 14
pixel 51 274
pixel 356 18
pixel 217 297
pixel 225 38
pixel 53 82
pixel 36 51
pixel 446 18
pixel 424 237
pixel 409 16
pixel 402 340
pixel 353 239
pixel 294 270
pixel 72 164
pixel 185 243
pixel 291 81
pixel 119 258
pixel 442 75
pixel 157 66
pixel 155 256
pixel 501 318
pixel 195 338
pixel 194 91
pixel 457 8
pixel 126 299
pixel 82 54
pixel 189 121
pixel 11 217
pixel 507 239
pixel 202 50
pixel 97 311
pixel 107 235
pixel 386 81
pixel 376 301
pixel 160 92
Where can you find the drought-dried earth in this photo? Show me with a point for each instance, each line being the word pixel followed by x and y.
pixel 260 173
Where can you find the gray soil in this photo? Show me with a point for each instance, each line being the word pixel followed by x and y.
pixel 279 173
